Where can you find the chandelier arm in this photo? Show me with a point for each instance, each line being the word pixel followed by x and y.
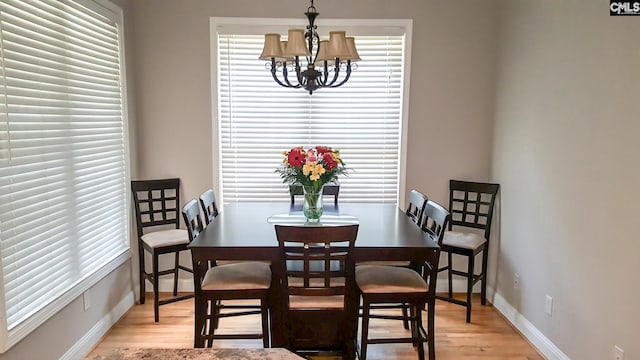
pixel 298 67
pixel 336 73
pixel 346 77
pixel 286 78
pixel 322 79
pixel 274 74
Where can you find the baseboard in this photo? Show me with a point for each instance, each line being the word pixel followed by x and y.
pixel 83 346
pixel 547 348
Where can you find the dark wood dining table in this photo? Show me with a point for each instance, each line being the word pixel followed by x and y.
pixel 245 231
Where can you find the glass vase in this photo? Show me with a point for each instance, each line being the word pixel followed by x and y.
pixel 312 207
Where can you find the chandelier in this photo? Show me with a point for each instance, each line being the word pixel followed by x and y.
pixel 334 58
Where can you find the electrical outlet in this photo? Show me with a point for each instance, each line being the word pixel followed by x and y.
pixel 86 300
pixel 516 280
pixel 548 305
pixel 618 353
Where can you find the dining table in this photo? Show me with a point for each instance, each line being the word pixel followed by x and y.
pixel 245 231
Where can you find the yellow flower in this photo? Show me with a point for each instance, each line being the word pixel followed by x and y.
pixel 313 170
pixel 307 168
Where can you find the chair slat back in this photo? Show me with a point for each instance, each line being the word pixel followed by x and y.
pixel 191 215
pixel 328 190
pixel 209 206
pixel 435 221
pixel 156 202
pixel 417 201
pixel 316 261
pixel 471 204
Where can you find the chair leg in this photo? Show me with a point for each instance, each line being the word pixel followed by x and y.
pixel 200 323
pixel 483 276
pixel 417 322
pixel 405 317
pixel 431 328
pixel 469 286
pixel 449 276
pixel 215 312
pixel 156 292
pixel 176 274
pixel 414 326
pixel 143 278
pixel 264 309
pixel 365 331
pixel 212 315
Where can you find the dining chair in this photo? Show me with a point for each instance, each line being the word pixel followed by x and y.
pixel 247 280
pixel 316 273
pixel 471 205
pixel 379 284
pixel 156 205
pixel 209 205
pixel 327 190
pixel 415 208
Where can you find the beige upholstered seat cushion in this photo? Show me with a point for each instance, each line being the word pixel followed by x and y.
pixel 162 238
pixel 386 263
pixel 463 240
pixel 316 302
pixel 246 275
pixel 389 279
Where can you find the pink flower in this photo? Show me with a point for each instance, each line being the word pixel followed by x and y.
pixel 311 156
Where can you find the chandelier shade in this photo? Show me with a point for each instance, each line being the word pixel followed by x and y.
pixel 304 61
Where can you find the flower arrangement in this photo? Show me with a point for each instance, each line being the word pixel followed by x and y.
pixel 311 168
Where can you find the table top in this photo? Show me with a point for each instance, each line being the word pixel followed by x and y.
pixel 246 231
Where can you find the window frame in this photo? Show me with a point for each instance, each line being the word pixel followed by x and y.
pixel 253 26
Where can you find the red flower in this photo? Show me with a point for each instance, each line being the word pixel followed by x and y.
pixel 323 150
pixel 296 157
pixel 329 161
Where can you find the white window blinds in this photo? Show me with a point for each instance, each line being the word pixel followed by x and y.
pixel 63 177
pixel 258 119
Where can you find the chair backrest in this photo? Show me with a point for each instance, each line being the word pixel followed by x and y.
pixel 471 204
pixel 156 203
pixel 209 206
pixel 435 221
pixel 417 201
pixel 191 215
pixel 328 190
pixel 316 261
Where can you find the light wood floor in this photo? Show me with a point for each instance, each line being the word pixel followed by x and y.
pixel 488 336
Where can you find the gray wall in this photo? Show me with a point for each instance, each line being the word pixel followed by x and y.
pixel 566 153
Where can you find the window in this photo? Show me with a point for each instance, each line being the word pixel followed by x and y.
pixel 63 158
pixel 259 119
